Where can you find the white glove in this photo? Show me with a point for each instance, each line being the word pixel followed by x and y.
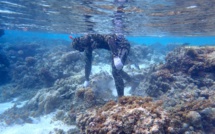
pixel 118 63
pixel 86 84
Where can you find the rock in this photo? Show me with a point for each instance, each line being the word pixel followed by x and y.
pixel 194 118
pixel 70 57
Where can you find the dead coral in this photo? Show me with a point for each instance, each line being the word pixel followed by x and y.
pixel 30 61
pixel 87 95
pixel 143 115
pixel 46 76
pixel 183 66
pixel 192 60
pixel 164 74
pixel 71 57
pixel 108 105
pixel 193 114
pixel 80 93
pixel 129 115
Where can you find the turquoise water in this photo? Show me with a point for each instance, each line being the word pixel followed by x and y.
pixel 12 35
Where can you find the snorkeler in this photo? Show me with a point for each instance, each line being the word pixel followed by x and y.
pixel 116 43
pixel 1 32
pixel 119 48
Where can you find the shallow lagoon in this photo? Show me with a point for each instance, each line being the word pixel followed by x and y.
pixel 52 52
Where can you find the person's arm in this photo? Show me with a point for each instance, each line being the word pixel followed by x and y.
pixel 88 65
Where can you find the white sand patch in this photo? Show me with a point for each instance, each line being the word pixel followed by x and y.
pixel 127 91
pixel 96 69
pixel 41 125
pixel 5 106
pixel 21 104
pixel 143 66
pixel 111 86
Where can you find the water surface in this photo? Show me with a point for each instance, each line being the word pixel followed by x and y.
pixel 139 17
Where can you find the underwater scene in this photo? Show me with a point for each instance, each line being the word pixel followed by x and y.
pixel 107 67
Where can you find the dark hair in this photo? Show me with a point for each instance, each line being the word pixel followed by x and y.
pixel 77 44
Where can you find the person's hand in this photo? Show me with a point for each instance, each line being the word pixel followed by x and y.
pixel 86 84
pixel 118 63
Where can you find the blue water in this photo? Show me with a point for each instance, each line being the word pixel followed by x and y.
pixel 12 35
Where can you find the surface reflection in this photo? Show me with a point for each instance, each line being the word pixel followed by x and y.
pixel 140 17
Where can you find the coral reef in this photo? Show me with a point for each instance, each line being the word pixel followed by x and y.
pixel 129 115
pixel 35 66
pixel 140 52
pixel 196 116
pixel 4 68
pixel 46 76
pixel 50 78
pixel 70 57
pixel 184 66
pixel 196 61
pixel 185 83
pixel 30 61
pixel 142 115
pixel 87 95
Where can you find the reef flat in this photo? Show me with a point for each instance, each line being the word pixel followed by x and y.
pixel 174 93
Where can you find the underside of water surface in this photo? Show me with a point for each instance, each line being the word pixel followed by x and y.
pixel 139 18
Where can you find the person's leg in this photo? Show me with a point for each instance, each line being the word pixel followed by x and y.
pixel 120 50
pixel 125 76
pixel 118 81
pixel 123 53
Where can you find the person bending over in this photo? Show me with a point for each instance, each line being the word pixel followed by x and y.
pixel 119 48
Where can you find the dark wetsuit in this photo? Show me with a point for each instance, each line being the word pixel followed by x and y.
pixel 118 46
